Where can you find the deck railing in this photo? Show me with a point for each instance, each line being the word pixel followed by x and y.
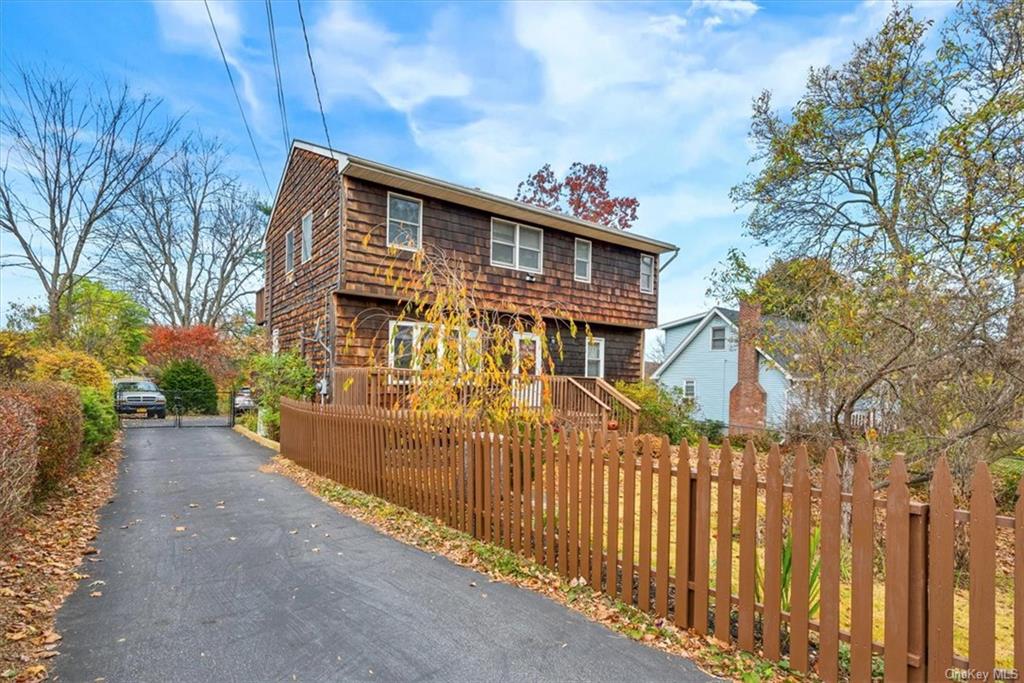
pixel 584 402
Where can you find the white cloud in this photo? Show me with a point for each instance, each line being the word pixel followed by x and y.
pixel 733 10
pixel 185 27
pixel 359 57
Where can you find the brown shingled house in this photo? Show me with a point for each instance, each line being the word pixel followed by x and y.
pixel 321 268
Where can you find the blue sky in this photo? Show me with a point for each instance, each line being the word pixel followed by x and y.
pixel 481 94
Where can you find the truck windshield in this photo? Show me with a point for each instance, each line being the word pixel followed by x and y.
pixel 136 386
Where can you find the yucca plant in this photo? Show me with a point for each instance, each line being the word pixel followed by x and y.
pixel 813 581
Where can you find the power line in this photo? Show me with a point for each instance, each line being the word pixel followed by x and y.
pixel 241 110
pixel 277 77
pixel 312 70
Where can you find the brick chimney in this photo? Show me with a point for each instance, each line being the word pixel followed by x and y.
pixel 747 399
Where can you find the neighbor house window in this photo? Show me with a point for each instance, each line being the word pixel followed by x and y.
pixel 289 251
pixel 584 250
pixel 307 236
pixel 405 222
pixel 646 274
pixel 595 357
pixel 690 389
pixel 516 246
pixel 717 338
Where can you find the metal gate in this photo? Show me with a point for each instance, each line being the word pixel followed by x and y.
pixel 185 409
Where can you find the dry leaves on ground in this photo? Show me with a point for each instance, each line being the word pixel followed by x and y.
pixel 39 567
pixel 503 565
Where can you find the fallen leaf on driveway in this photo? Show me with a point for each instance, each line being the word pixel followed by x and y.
pixel 179 528
pixel 232 538
pixel 294 531
pixel 96 594
pixel 193 505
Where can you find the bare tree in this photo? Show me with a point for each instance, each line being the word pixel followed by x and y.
pixel 70 158
pixel 902 171
pixel 188 244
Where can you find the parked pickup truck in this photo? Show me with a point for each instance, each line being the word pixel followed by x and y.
pixel 139 396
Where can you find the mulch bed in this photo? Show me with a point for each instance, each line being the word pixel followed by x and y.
pixel 41 560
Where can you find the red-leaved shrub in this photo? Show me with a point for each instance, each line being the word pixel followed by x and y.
pixel 17 455
pixel 57 410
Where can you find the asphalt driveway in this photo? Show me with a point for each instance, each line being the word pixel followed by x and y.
pixel 210 570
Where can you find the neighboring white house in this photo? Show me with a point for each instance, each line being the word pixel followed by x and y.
pixel 705 358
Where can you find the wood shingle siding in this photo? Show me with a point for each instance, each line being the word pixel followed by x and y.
pixel 612 297
pixel 295 302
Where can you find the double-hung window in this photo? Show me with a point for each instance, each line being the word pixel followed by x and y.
pixel 414 345
pixel 690 388
pixel 718 339
pixel 289 251
pixel 646 274
pixel 583 260
pixel 595 357
pixel 307 236
pixel 517 246
pixel 405 222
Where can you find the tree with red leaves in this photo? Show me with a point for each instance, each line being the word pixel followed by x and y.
pixel 199 343
pixel 583 193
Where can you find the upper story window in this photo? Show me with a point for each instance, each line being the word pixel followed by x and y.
pixel 405 222
pixel 584 258
pixel 307 236
pixel 717 338
pixel 595 357
pixel 646 274
pixel 516 246
pixel 289 251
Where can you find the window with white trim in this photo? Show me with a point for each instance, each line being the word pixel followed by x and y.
pixel 690 388
pixel 526 354
pixel 401 344
pixel 516 246
pixel 405 222
pixel 413 344
pixel 718 338
pixel 583 260
pixel 646 274
pixel 307 236
pixel 289 251
pixel 595 358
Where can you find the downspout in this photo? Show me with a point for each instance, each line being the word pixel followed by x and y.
pixel 670 260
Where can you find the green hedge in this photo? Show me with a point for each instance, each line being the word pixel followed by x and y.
pixel 189 387
pixel 99 426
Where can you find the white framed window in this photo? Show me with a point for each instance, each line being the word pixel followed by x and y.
pixel 646 273
pixel 718 338
pixel 307 236
pixel 401 344
pixel 289 251
pixel 405 222
pixel 517 246
pixel 411 345
pixel 583 260
pixel 690 388
pixel 595 358
pixel 526 354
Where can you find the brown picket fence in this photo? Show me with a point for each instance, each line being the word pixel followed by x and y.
pixel 644 521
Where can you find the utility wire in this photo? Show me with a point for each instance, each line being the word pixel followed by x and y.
pixel 277 77
pixel 241 110
pixel 316 86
